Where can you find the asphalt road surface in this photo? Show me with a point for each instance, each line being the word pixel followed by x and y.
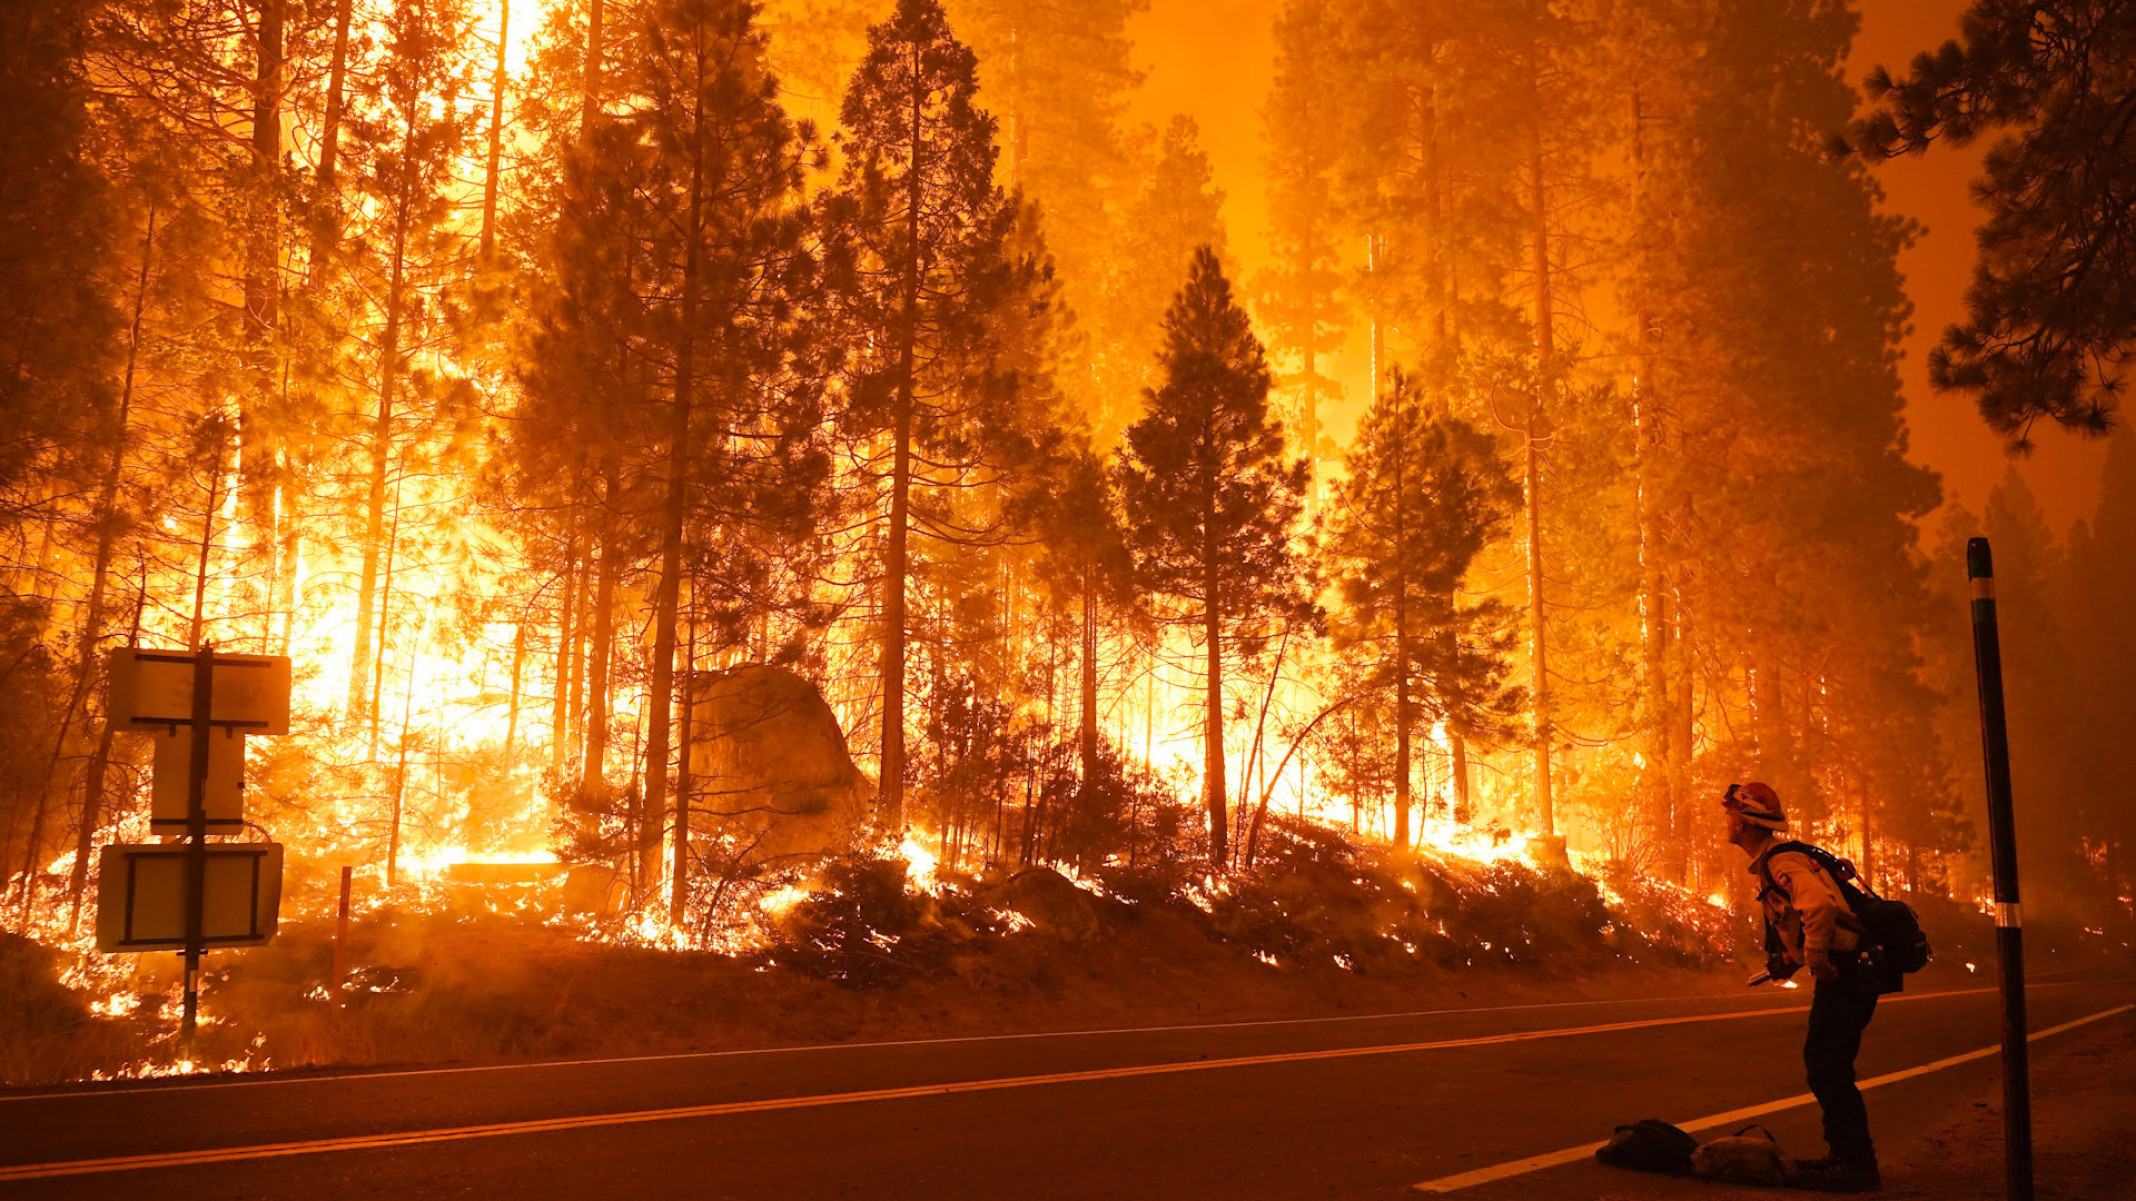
pixel 1483 1103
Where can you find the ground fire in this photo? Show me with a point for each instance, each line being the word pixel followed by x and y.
pixel 921 522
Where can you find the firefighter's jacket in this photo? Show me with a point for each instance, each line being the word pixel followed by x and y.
pixel 1804 907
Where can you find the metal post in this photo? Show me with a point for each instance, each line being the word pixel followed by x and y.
pixel 2002 835
pixel 196 834
pixel 341 939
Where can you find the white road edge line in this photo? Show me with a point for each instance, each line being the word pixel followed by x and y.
pixel 1536 1163
pixel 239 1080
pixel 399 1138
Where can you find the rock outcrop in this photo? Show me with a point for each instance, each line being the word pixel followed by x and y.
pixel 769 766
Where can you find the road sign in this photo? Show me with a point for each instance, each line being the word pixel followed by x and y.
pixel 190 896
pixel 141 900
pixel 153 689
pixel 224 801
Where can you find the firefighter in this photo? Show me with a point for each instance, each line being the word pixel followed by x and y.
pixel 1809 924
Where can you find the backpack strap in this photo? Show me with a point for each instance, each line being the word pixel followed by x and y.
pixel 1854 890
pixel 1765 865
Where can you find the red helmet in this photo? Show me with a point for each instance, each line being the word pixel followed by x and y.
pixel 1756 803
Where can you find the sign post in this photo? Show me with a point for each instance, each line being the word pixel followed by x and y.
pixel 196 833
pixel 2002 836
pixel 341 939
pixel 229 894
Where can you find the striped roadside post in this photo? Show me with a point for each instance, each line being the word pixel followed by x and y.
pixel 2002 837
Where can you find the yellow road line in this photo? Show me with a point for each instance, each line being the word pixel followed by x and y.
pixel 1536 1163
pixel 210 1155
pixel 261 1079
pixel 83 1167
pixel 266 1078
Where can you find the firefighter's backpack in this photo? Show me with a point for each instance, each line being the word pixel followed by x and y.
pixel 1744 1158
pixel 1892 927
pixel 1648 1145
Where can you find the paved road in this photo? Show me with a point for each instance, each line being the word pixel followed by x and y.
pixel 1474 1100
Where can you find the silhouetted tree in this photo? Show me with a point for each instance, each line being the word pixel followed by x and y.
pixel 2051 316
pixel 932 402
pixel 1211 500
pixel 1422 494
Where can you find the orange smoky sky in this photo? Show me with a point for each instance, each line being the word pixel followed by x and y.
pixel 1213 60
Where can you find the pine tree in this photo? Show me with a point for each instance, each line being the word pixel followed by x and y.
pixel 933 275
pixel 1059 78
pixel 405 149
pixel 58 326
pixel 1783 476
pixel 2102 574
pixel 1090 575
pixel 2051 316
pixel 2047 755
pixel 580 436
pixel 1421 496
pixel 58 330
pixel 1178 210
pixel 1211 500
pixel 722 173
pixel 1300 295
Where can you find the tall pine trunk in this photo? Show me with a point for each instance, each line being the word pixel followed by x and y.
pixel 567 636
pixel 496 136
pixel 1531 475
pixel 1213 797
pixel 590 90
pixel 381 448
pixel 107 531
pixel 1404 711
pixel 891 807
pixel 1087 695
pixel 679 866
pixel 326 228
pixel 1444 351
pixel 261 441
pixel 1656 783
pixel 668 593
pixel 511 708
pixel 601 651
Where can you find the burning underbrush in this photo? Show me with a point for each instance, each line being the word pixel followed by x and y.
pixel 1315 901
pixel 493 964
pixel 867 945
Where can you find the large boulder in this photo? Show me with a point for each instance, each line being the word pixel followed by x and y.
pixel 769 766
pixel 1052 902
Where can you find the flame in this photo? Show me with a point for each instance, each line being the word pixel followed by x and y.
pixel 781 899
pixel 433 861
pixel 919 865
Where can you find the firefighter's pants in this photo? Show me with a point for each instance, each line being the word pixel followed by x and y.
pixel 1839 1012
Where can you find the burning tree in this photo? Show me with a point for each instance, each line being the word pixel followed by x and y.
pixel 934 407
pixel 1211 500
pixel 1422 494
